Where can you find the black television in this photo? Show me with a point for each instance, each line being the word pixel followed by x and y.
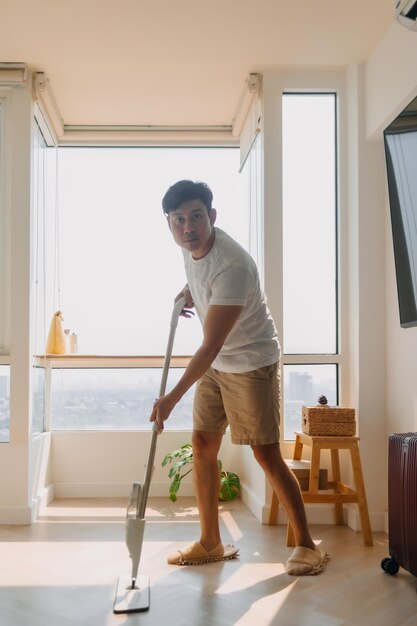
pixel 400 139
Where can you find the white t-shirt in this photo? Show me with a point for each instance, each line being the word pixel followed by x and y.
pixel 228 275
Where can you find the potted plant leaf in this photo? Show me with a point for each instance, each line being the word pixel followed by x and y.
pixel 182 464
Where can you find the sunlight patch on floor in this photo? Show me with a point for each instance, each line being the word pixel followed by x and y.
pixel 231 525
pixel 256 573
pixel 276 587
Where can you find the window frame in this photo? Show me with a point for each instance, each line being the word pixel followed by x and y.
pixel 308 82
pixel 78 361
pixel 275 85
pixel 4 238
pixel 312 359
pixel 336 219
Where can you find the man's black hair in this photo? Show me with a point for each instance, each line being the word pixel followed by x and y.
pixel 185 190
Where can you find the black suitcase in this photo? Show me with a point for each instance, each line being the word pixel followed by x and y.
pixel 402 504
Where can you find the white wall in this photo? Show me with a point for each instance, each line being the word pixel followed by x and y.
pixel 15 502
pixel 119 459
pixel 390 78
pixel 24 471
pixel 391 83
pixel 367 296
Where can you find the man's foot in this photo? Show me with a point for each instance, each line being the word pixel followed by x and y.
pixel 306 562
pixel 195 554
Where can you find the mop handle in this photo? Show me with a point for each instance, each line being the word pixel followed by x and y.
pixel 178 307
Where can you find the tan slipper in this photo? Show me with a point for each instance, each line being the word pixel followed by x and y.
pixel 306 562
pixel 195 554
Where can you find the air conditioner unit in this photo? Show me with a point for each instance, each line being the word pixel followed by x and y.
pixel 406 12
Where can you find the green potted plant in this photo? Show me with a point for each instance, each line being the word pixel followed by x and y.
pixel 182 458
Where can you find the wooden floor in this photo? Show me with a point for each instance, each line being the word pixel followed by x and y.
pixel 63 571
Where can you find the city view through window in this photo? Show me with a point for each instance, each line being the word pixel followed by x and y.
pixel 113 399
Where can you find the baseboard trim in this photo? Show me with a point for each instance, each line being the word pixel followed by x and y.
pixel 255 503
pixel 114 490
pixel 18 515
pixel 376 518
pixel 316 513
pixel 324 514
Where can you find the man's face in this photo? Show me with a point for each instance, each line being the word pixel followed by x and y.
pixel 192 227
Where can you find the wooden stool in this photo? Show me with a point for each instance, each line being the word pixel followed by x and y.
pixel 342 493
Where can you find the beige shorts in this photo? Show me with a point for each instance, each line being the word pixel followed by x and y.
pixel 248 402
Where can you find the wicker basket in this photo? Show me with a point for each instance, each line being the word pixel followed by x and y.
pixel 328 421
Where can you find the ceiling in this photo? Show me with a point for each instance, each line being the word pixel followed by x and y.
pixel 178 62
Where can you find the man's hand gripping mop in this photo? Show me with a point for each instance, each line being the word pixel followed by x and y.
pixel 132 593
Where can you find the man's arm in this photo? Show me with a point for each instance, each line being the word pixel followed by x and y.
pixel 219 321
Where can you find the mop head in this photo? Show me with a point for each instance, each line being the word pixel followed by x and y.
pixel 132 599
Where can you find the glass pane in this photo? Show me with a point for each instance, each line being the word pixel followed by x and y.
pixel 44 254
pixel 254 168
pixel 309 223
pixel 114 399
pixel 38 414
pixel 120 269
pixel 303 385
pixel 3 235
pixel 4 403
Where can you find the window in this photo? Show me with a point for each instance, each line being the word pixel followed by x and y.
pixel 113 399
pixel 119 272
pixel 254 172
pixel 303 384
pixel 43 202
pixel 38 405
pixel 4 403
pixel 310 339
pixel 119 268
pixel 3 234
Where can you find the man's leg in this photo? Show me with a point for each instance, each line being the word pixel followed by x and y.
pixel 286 486
pixel 206 445
pixel 207 485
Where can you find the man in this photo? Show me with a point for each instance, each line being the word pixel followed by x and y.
pixel 236 367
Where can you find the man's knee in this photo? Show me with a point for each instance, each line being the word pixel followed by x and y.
pixel 267 455
pixel 205 444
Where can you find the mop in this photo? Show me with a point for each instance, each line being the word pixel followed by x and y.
pixel 132 594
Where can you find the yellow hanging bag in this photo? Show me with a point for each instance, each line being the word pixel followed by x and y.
pixel 56 343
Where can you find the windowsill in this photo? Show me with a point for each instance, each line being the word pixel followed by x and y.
pixel 58 361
